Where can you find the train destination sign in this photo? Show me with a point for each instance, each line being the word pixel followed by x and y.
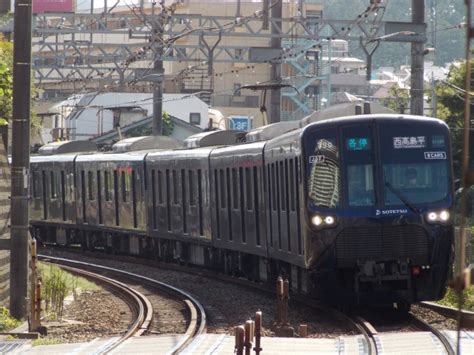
pixel 409 142
pixel 362 143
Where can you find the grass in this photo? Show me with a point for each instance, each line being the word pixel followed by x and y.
pixel 7 322
pixel 451 299
pixel 47 341
pixel 57 285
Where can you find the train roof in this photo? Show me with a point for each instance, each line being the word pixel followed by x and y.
pixel 270 131
pixel 145 143
pixel 64 147
pixel 180 153
pixel 242 149
pixel 376 117
pixel 214 138
pixel 105 157
pixel 60 158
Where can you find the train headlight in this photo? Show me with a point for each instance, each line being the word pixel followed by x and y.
pixel 329 220
pixel 323 221
pixel 440 216
pixel 317 220
pixel 444 216
pixel 432 217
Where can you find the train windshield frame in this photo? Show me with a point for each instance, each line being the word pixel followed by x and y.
pixel 415 163
pixel 373 164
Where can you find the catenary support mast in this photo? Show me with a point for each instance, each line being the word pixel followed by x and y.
pixel 20 159
pixel 416 91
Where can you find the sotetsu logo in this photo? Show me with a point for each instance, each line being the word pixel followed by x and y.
pixel 390 212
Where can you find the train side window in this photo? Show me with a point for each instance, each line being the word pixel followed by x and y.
pixel 217 184
pixel 248 189
pixel 292 185
pixel 34 185
pixel 192 196
pixel 107 186
pixel 283 186
pixel 199 177
pixel 160 187
pixel 255 202
pixel 183 200
pixel 168 199
pixel 116 197
pixel 52 179
pixel 235 189
pixel 90 186
pixel 242 205
pixel 222 188
pixel 124 186
pixel 175 187
pixel 274 187
pixel 83 193
pixel 229 214
pixel 133 177
pixel 153 197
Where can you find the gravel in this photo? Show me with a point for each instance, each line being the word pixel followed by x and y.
pixel 227 305
pixel 85 318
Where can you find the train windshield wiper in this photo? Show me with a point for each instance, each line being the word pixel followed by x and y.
pixel 401 197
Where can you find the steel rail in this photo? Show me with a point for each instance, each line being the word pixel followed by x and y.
pixel 139 303
pixel 421 324
pixel 197 324
pixel 369 333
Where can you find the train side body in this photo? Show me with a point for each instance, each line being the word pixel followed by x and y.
pixel 178 197
pixel 237 198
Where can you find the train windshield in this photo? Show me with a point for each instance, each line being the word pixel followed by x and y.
pixel 324 169
pixel 415 163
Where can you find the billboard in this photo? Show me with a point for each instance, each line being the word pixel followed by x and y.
pixel 40 6
pixel 242 123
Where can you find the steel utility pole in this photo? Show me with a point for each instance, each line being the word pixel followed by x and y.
pixel 20 159
pixel 417 57
pixel 275 74
pixel 158 73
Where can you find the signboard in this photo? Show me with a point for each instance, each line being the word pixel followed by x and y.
pixel 358 143
pixel 409 142
pixel 40 6
pixel 241 123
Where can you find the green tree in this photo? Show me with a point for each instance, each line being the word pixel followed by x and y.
pixel 450 108
pixel 6 88
pixel 168 127
pixel 399 99
pixel 6 81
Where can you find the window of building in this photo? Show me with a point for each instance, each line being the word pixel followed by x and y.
pixel 195 118
pixel 237 91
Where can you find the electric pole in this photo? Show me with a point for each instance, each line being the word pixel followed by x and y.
pixel 158 72
pixel 20 159
pixel 417 58
pixel 275 74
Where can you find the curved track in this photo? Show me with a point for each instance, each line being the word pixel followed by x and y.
pixel 376 339
pixel 142 308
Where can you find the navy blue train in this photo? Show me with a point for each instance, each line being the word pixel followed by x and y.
pixel 353 210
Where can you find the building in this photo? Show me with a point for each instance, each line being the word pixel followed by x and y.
pixel 315 68
pixel 86 116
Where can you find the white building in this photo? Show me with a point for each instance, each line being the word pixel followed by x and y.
pixel 86 116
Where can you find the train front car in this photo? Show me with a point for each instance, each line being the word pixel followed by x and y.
pixel 378 193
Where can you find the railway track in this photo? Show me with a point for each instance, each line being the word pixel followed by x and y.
pixel 140 305
pixel 379 339
pixel 371 336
